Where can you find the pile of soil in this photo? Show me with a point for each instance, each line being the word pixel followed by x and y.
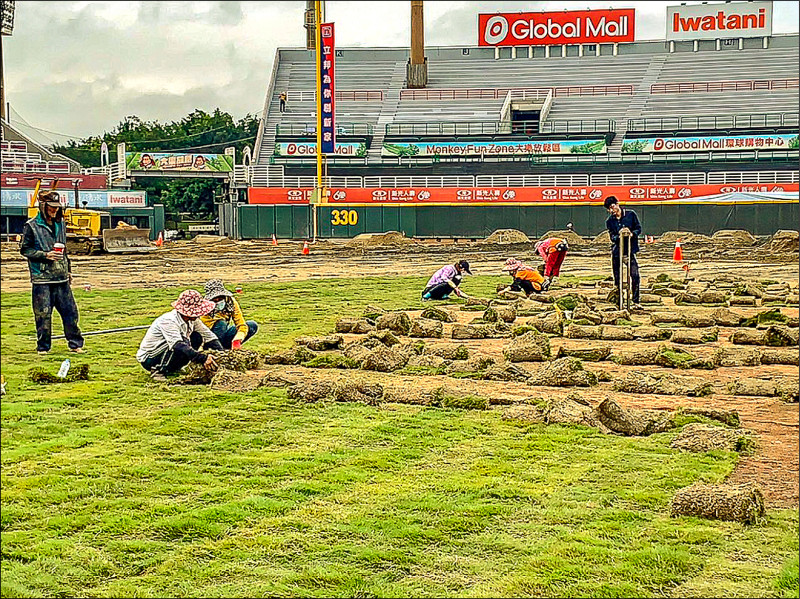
pixel 390 239
pixel 507 237
pixel 670 237
pixel 728 237
pixel 571 237
pixel 738 503
pixel 700 438
pixel 603 238
pixel 784 241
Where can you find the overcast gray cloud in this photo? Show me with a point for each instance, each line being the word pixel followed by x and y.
pixel 79 68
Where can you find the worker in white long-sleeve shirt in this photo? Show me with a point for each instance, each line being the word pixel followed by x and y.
pixel 167 345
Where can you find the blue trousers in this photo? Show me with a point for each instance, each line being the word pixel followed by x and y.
pixel 225 333
pixel 59 296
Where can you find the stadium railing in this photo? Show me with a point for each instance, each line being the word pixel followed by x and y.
pixel 497 128
pixel 683 87
pixel 311 129
pixel 356 95
pixel 534 92
pixel 731 121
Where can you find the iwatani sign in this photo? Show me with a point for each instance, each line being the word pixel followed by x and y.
pixel 713 21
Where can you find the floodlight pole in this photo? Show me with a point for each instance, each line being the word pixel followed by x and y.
pixel 318 55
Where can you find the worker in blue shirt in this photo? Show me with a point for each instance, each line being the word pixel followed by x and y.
pixel 624 220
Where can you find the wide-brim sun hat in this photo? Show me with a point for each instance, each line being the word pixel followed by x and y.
pixel 215 288
pixel 512 264
pixel 190 303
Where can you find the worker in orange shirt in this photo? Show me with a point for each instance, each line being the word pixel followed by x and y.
pixel 527 280
pixel 553 251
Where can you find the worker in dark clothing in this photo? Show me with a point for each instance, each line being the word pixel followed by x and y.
pixel 624 221
pixel 44 239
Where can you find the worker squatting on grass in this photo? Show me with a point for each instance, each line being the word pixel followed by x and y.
pixel 527 280
pixel 445 281
pixel 168 346
pixel 44 240
pixel 225 320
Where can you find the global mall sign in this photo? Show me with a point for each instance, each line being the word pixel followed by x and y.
pixel 556 28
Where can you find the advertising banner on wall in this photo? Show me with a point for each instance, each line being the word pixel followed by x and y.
pixel 589 194
pixel 304 149
pixel 94 198
pixel 494 148
pixel 170 161
pixel 554 28
pixel 713 21
pixel 326 66
pixel 727 143
pixel 65 181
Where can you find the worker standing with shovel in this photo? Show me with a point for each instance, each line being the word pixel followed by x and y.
pixel 624 229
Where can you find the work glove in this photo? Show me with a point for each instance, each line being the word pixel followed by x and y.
pixel 237 343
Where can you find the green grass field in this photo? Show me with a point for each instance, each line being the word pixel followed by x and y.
pixel 117 486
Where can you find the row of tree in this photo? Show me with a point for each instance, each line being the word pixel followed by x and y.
pixel 199 132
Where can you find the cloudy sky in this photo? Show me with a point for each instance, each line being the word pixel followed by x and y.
pixel 76 69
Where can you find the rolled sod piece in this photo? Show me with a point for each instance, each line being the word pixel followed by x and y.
pixel 739 503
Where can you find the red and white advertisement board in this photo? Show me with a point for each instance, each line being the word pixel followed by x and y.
pixel 65 181
pixel 712 21
pixel 555 28
pixel 515 195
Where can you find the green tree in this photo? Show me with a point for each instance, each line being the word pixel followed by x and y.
pixel 199 131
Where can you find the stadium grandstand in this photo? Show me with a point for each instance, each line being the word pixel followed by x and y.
pixel 699 135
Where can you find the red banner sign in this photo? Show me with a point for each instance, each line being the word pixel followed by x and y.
pixel 553 28
pixel 65 181
pixel 515 195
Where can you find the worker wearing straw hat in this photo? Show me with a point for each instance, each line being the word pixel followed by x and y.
pixel 527 280
pixel 167 345
pixel 226 320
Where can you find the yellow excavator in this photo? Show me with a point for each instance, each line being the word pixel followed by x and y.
pixel 90 232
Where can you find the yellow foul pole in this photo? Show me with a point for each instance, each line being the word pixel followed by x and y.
pixel 318 55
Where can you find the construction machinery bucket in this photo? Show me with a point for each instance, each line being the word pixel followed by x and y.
pixel 127 240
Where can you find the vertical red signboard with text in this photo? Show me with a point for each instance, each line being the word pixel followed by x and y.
pixel 328 89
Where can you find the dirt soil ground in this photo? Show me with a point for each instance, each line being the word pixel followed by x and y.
pixel 775 465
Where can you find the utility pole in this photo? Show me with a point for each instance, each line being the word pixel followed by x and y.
pixel 309 22
pixel 7 16
pixel 417 67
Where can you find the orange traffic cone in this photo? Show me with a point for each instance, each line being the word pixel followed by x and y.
pixel 160 239
pixel 274 241
pixel 677 255
pixel 305 248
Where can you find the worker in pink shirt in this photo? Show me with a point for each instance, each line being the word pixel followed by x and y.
pixel 553 251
